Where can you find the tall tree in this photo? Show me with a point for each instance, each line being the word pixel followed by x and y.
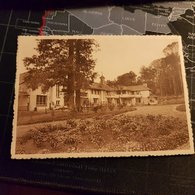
pixel 149 75
pixel 172 60
pixel 84 66
pixel 163 75
pixel 68 63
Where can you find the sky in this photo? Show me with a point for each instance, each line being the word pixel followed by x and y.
pixel 117 54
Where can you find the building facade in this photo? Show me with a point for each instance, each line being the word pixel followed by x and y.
pixel 96 94
pixel 32 100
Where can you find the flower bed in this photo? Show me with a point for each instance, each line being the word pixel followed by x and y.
pixel 111 133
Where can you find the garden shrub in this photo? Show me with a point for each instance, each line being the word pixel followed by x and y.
pixel 137 133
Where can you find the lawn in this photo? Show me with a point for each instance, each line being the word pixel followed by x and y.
pixel 181 108
pixel 109 133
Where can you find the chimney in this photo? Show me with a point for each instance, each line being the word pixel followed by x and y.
pixel 102 80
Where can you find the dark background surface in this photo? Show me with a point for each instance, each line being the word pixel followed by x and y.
pixel 13 189
pixel 146 175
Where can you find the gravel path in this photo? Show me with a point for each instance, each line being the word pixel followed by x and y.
pixel 166 110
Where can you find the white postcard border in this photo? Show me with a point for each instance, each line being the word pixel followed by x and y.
pixel 101 154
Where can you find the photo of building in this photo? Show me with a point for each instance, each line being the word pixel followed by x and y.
pixel 82 96
pixel 96 94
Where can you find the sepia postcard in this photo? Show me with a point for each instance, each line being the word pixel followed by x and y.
pixel 100 96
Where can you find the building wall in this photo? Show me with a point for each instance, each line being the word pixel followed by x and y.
pixel 131 101
pixel 33 99
pixel 91 96
pixel 101 97
pixel 51 99
pixel 145 97
pixel 23 98
pixel 127 97
pixel 144 100
pixel 23 103
pixel 55 100
pixel 145 94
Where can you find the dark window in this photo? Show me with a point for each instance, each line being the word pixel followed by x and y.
pixel 95 100
pixel 57 102
pixel 41 100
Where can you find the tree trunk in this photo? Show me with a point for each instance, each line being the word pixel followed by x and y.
pixel 71 77
pixel 78 100
pixel 70 91
pixel 78 80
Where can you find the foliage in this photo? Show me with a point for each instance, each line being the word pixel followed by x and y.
pixel 124 79
pixel 121 132
pixel 127 79
pixel 68 63
pixel 163 75
pixel 111 107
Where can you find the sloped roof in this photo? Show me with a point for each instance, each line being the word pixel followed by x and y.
pixel 134 88
pixel 105 87
pixel 100 86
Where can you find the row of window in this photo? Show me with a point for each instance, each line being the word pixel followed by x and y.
pixel 97 92
pixel 128 92
pixel 41 100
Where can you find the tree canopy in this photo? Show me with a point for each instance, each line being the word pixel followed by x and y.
pixel 65 62
pixel 127 79
pixel 163 75
pixel 124 79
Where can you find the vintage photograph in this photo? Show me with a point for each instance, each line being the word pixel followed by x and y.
pixel 100 96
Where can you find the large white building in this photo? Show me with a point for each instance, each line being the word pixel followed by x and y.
pixel 96 94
